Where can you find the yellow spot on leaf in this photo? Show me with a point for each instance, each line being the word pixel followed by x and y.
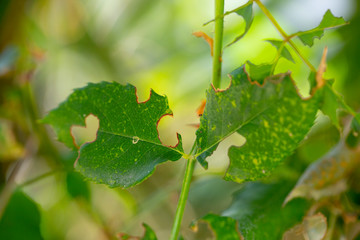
pixel 233 103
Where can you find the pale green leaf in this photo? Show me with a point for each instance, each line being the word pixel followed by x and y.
pixel 329 21
pixel 280 46
pixel 246 12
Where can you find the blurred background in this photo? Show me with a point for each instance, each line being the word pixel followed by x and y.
pixel 48 48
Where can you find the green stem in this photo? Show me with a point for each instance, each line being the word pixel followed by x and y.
pixel 183 197
pixel 218 39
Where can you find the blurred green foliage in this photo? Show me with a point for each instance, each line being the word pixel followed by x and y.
pixel 48 48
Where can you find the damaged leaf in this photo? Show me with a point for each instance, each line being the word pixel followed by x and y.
pixel 329 21
pixel 246 12
pixel 280 47
pixel 272 117
pixel 127 147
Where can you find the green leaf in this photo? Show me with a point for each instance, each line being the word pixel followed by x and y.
pixel 328 21
pixel 327 176
pixel 224 228
pixel 246 12
pixel 127 147
pixel 259 73
pixel 21 219
pixel 330 104
pixel 257 213
pixel 76 186
pixel 272 117
pixel 280 46
pixel 148 235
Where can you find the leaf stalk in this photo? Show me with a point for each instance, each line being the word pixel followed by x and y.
pixel 183 198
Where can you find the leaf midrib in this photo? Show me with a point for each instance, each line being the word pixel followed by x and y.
pixel 240 126
pixel 140 139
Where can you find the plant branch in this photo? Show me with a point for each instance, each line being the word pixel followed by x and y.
pixel 183 198
pixel 218 39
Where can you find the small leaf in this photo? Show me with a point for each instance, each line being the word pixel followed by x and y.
pixel 328 21
pixel 256 213
pixel 313 227
pixel 224 228
pixel 326 176
pixel 148 235
pixel 21 219
pixel 246 12
pixel 280 46
pixel 272 117
pixel 127 147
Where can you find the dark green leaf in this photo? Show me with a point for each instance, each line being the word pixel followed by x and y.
pixel 328 21
pixel 272 117
pixel 246 12
pixel 127 147
pixel 258 211
pixel 76 186
pixel 280 46
pixel 21 219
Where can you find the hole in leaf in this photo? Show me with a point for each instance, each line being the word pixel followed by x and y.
pixel 88 133
pixel 219 160
pixel 166 128
pixel 142 93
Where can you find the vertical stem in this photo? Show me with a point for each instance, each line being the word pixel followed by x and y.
pixel 219 29
pixel 183 197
